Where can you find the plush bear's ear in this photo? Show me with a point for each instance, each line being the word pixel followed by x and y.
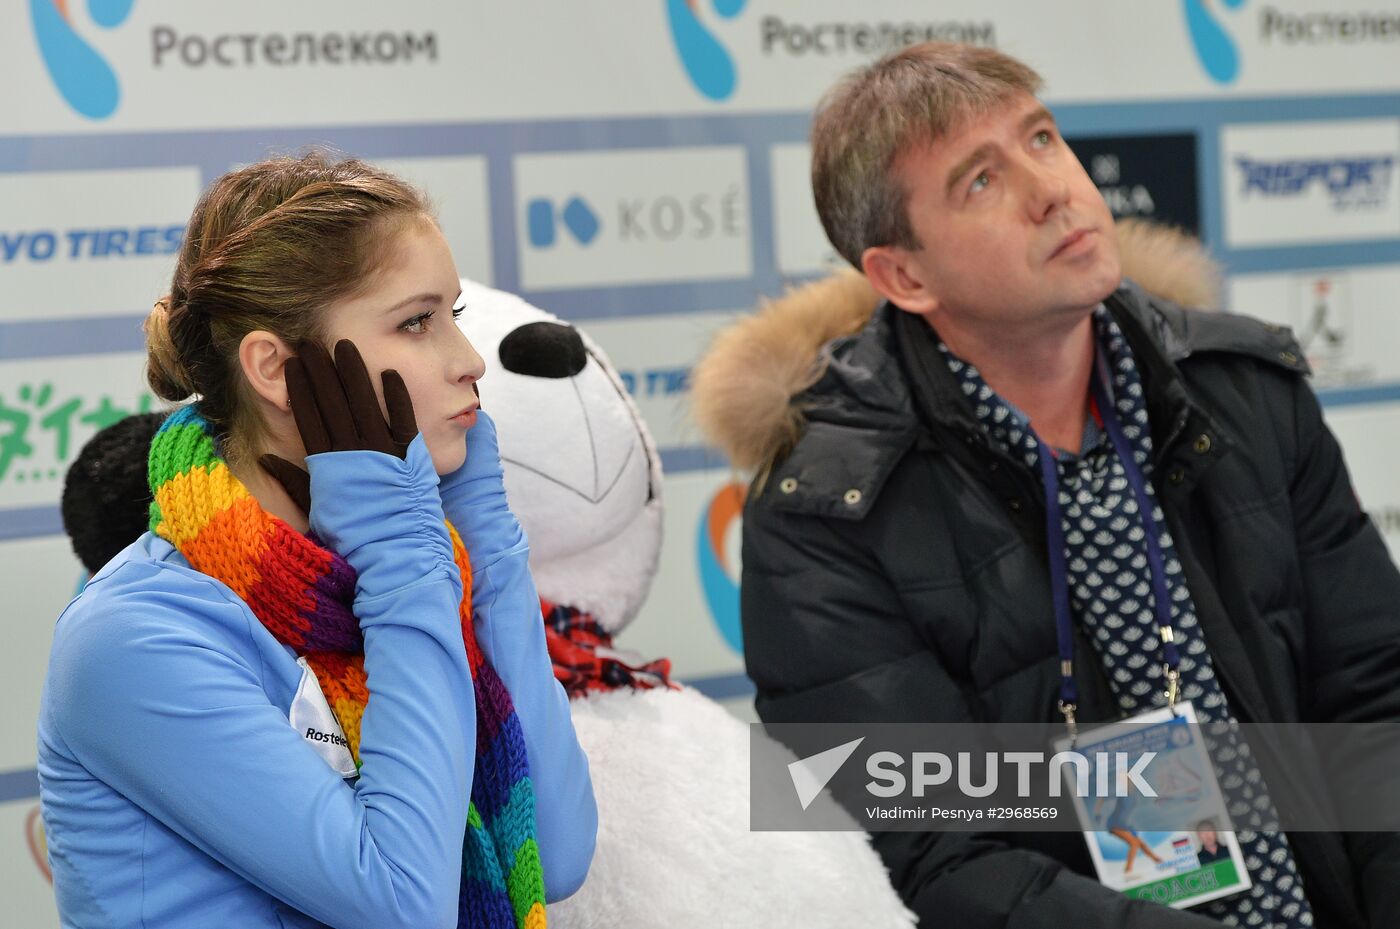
pixel 106 497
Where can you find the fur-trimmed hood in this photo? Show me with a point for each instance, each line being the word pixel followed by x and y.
pixel 742 388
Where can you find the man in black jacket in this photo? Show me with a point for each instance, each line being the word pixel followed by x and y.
pixel 896 563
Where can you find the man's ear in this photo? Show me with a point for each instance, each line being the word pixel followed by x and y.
pixel 890 272
pixel 263 357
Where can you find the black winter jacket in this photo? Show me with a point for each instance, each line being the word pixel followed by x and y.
pixel 894 570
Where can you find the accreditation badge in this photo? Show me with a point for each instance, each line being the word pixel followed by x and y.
pixel 1152 811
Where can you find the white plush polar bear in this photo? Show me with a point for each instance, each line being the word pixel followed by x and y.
pixel 670 768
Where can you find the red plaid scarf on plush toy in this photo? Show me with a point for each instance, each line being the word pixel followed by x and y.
pixel 585 660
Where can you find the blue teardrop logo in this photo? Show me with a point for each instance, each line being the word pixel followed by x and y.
pixel 1215 48
pixel 707 62
pixel 83 77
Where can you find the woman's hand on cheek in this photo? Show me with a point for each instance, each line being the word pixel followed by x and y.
pixel 474 496
pixel 482 466
pixel 335 408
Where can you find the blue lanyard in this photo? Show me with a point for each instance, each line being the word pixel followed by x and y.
pixel 1059 572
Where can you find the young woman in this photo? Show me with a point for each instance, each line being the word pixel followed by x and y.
pixel 321 696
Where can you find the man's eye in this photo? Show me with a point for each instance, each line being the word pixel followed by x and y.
pixel 1043 137
pixel 417 324
pixel 979 182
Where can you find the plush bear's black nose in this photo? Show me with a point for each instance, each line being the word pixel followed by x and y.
pixel 544 350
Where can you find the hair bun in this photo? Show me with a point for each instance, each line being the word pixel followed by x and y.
pixel 164 370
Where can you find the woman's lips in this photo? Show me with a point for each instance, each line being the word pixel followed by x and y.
pixel 466 419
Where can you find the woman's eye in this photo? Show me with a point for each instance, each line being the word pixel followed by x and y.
pixel 417 324
pixel 459 306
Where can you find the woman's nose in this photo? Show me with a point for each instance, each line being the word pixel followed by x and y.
pixel 466 362
pixel 544 349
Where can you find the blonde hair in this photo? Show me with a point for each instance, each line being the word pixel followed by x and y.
pixel 268 247
pixel 914 96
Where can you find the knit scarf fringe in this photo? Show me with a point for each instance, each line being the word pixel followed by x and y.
pixel 303 593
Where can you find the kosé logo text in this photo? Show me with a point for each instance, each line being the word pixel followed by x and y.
pixel 637 216
pixel 1296 183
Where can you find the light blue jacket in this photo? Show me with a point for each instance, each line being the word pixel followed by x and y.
pixel 175 791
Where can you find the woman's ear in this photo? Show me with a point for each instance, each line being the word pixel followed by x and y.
pixel 263 357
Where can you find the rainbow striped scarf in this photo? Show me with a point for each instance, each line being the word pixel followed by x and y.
pixel 303 593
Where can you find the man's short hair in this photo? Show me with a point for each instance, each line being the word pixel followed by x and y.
pixel 910 97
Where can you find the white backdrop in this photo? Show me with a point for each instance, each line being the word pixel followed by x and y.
pixel 638 167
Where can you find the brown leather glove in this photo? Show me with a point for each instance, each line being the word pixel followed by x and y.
pixel 335 409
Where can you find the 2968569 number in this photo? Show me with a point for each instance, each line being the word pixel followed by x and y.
pixel 1022 812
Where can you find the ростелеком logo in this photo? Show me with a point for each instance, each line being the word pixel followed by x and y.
pixel 718 575
pixel 82 76
pixel 1215 48
pixel 707 62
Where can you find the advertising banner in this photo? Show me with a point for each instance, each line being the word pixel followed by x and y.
pixel 85 243
pixel 1292 183
pixel 641 169
pixel 156 64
